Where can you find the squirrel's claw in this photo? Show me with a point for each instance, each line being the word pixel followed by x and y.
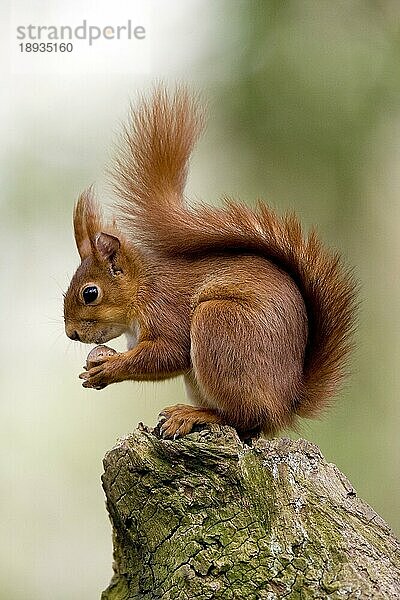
pixel 180 419
pixel 175 421
pixel 100 374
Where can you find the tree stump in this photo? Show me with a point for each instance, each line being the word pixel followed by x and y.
pixel 207 516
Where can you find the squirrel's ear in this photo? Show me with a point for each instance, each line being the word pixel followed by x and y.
pixel 81 236
pixel 107 246
pixel 87 222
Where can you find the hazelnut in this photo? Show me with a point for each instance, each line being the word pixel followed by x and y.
pixel 98 352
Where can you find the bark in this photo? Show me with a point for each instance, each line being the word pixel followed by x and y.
pixel 208 516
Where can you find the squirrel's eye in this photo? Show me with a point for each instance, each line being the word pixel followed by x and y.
pixel 90 294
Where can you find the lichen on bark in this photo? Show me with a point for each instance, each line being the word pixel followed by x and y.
pixel 207 516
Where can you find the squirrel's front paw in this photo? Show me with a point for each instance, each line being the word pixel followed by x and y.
pixel 102 372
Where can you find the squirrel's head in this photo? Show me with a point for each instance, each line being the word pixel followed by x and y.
pixel 97 305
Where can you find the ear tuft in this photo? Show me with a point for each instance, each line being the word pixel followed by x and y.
pixel 87 222
pixel 107 245
pixel 81 237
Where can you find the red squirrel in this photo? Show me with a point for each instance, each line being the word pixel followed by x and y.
pixel 256 317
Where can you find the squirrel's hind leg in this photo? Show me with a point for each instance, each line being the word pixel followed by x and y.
pixel 245 364
pixel 180 419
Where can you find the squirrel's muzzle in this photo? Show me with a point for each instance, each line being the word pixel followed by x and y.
pixel 74 335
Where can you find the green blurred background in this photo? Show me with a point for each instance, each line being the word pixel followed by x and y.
pixel 304 111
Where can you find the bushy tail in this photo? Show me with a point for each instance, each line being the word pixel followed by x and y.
pixel 150 176
pixel 151 165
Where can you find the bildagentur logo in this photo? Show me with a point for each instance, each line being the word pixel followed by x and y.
pixel 84 31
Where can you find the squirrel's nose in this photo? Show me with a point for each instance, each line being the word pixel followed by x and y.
pixel 74 335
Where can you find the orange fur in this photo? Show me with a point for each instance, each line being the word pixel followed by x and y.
pixel 255 315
